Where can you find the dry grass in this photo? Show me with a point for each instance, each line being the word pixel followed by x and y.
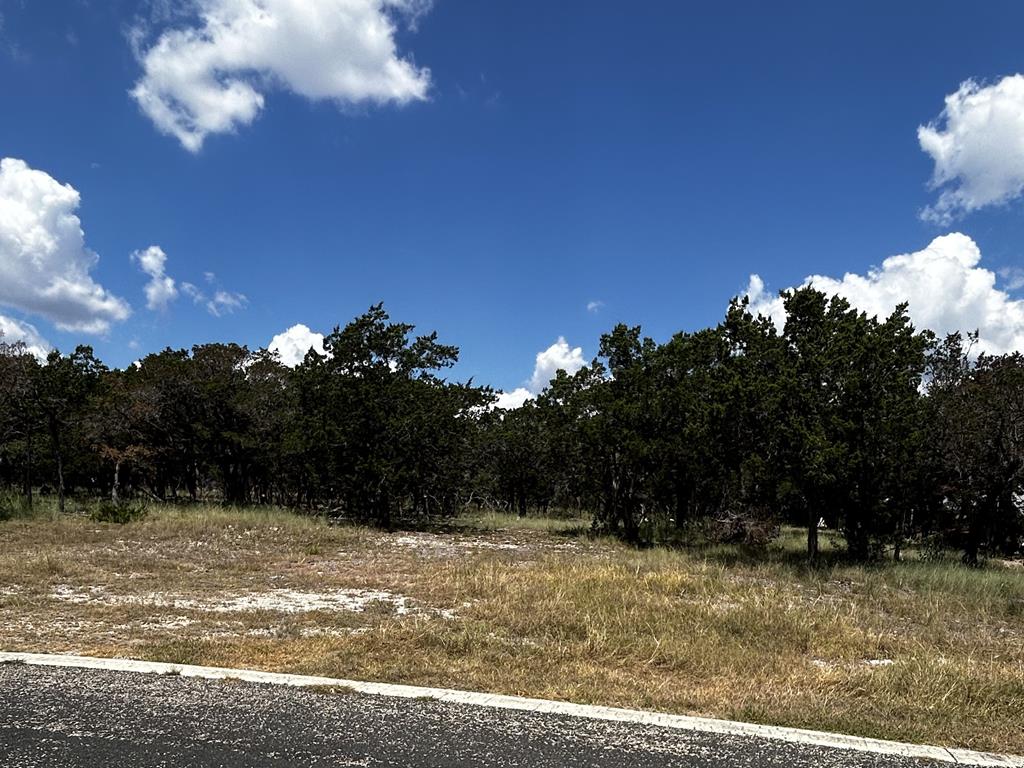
pixel 500 521
pixel 923 651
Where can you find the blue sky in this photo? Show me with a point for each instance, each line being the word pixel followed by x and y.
pixel 526 160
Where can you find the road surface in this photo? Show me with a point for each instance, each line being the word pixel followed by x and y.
pixel 88 718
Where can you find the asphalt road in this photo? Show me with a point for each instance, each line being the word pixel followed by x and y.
pixel 88 718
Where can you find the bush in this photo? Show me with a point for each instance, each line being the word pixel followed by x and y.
pixel 752 530
pixel 935 547
pixel 120 513
pixel 13 505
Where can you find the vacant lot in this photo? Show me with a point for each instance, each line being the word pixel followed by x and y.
pixel 923 651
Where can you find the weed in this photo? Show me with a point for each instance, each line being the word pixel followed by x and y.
pixel 13 506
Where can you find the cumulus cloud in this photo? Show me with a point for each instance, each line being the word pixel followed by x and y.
pixel 212 77
pixel 977 144
pixel 13 331
pixel 595 306
pixel 558 357
pixel 947 289
pixel 293 344
pixel 515 399
pixel 160 290
pixel 44 264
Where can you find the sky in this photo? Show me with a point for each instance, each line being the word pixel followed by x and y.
pixel 519 176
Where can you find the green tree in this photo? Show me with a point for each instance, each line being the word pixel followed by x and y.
pixel 65 386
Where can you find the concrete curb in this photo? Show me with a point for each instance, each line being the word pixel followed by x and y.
pixel 680 722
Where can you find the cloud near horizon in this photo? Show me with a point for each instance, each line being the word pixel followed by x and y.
pixel 947 289
pixel 293 344
pixel 559 356
pixel 212 77
pixel 13 331
pixel 44 263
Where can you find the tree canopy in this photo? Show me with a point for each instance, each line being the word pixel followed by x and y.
pixel 862 424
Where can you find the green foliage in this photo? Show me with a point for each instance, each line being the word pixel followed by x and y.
pixel 120 513
pixel 975 430
pixel 735 429
pixel 381 435
pixel 13 505
pixel 886 434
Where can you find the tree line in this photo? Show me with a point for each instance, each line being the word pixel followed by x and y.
pixel 886 434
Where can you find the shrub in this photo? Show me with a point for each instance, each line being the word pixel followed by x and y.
pixel 755 530
pixel 120 513
pixel 13 505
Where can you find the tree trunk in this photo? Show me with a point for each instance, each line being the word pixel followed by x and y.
pixel 812 535
pixel 192 480
pixel 28 471
pixel 59 459
pixel 977 530
pixel 60 483
pixel 897 552
pixel 115 490
pixel 971 549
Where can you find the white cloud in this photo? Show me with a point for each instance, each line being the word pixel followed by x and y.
pixel 221 303
pixel 945 286
pixel 44 264
pixel 1014 277
pixel 763 302
pixel 211 77
pixel 293 344
pixel 225 302
pixel 978 148
pixel 13 331
pixel 515 399
pixel 595 306
pixel 559 356
pixel 160 290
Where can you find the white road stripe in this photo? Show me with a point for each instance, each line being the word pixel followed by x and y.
pixel 681 722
